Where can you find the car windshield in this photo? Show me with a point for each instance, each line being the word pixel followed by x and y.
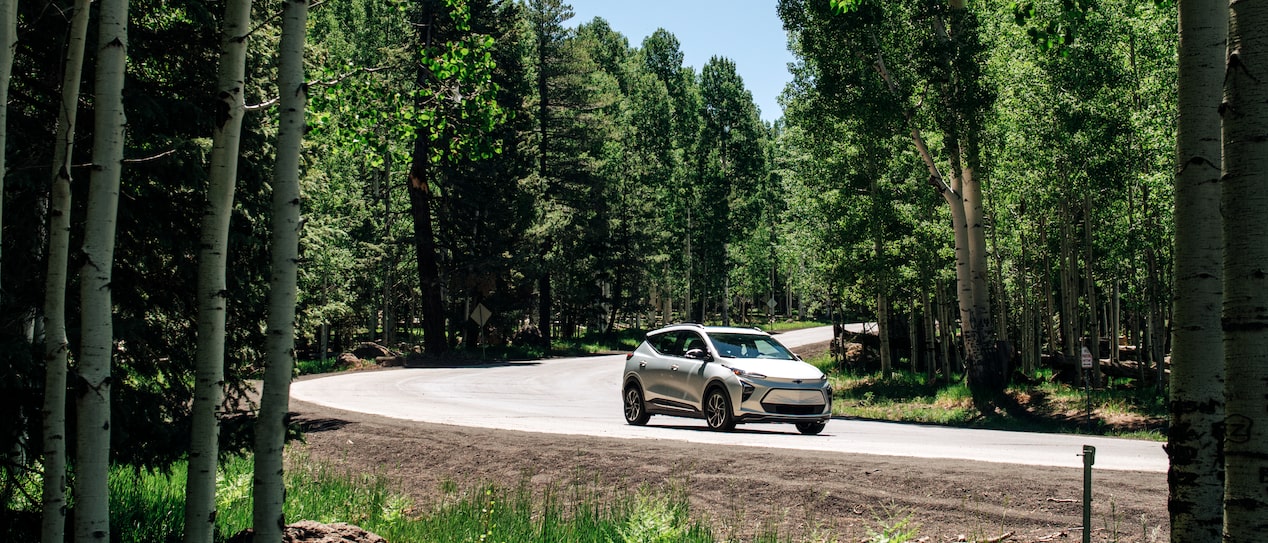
pixel 732 345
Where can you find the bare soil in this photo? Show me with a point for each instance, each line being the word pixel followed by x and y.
pixel 745 492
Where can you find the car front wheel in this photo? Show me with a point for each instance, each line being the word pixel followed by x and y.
pixel 717 410
pixel 811 428
pixel 635 411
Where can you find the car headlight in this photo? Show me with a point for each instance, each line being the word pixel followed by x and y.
pixel 746 374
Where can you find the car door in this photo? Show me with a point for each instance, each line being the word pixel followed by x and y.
pixel 655 367
pixel 687 374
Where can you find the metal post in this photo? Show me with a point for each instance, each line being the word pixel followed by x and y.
pixel 1089 458
pixel 1087 391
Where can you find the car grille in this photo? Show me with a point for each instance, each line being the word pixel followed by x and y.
pixel 785 409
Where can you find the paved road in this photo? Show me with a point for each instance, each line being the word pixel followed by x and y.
pixel 581 396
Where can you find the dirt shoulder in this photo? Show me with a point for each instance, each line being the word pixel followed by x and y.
pixel 743 491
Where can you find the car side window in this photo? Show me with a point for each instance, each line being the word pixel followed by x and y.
pixel 692 341
pixel 657 342
pixel 665 343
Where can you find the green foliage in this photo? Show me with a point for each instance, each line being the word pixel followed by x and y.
pixel 901 530
pixel 1052 406
pixel 147 507
pixel 655 520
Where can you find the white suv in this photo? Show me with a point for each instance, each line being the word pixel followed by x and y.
pixel 724 376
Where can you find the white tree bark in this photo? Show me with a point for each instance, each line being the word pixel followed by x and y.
pixel 1245 321
pixel 8 43
pixel 1196 475
pixel 92 461
pixel 270 490
pixel 56 345
pixel 200 487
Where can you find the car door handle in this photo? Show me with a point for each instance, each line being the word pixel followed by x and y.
pixel 673 367
pixel 642 364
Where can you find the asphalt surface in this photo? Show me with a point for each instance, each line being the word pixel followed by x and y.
pixel 581 396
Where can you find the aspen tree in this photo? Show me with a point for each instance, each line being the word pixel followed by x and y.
pixel 1196 476
pixel 56 344
pixel 1244 196
pixel 200 485
pixel 92 460
pixel 270 433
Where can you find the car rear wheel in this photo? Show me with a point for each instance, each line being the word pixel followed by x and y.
pixel 635 411
pixel 811 428
pixel 717 410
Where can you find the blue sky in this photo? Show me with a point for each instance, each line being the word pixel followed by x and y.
pixel 748 32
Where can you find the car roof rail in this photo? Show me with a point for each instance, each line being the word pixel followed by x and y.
pixel 688 323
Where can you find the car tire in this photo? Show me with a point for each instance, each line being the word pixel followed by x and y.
pixel 635 409
pixel 811 428
pixel 717 410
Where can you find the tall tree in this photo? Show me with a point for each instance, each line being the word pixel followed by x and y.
pixel 1245 201
pixel 934 46
pixel 92 509
pixel 574 105
pixel 457 110
pixel 200 487
pixel 549 37
pixel 730 164
pixel 56 343
pixel 8 45
pixel 270 435
pixel 1196 474
pixel 662 58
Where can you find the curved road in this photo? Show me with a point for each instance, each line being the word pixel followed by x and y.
pixel 581 396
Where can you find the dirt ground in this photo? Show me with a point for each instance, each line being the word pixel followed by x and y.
pixel 742 492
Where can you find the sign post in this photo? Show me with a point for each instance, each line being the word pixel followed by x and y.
pixel 1089 458
pixel 481 315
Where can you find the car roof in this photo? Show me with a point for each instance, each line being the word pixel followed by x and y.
pixel 709 329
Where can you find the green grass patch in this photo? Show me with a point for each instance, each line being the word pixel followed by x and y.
pixel 148 506
pixel 1120 409
pixel 623 340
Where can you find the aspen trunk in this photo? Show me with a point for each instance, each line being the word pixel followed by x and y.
pixel 92 460
pixel 1094 326
pixel 1115 323
pixel 389 269
pixel 1244 112
pixel 913 338
pixel 56 344
pixel 946 331
pixel 269 488
pixel 204 450
pixel 931 358
pixel 8 45
pixel 882 325
pixel 1069 296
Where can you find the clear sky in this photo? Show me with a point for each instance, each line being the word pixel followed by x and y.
pixel 748 32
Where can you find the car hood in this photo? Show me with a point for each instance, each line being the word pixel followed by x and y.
pixel 778 369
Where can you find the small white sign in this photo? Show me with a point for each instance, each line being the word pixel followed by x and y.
pixel 481 314
pixel 771 303
pixel 1087 359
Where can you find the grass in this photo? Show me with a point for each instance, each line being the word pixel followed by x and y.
pixel 1120 409
pixel 147 506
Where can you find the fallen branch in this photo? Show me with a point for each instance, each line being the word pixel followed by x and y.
pixel 997 538
pixel 1063 500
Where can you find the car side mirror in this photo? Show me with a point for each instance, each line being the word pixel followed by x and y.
pixel 699 354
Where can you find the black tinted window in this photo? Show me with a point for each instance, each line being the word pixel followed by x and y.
pixel 676 343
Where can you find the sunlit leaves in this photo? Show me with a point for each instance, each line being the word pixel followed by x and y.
pixel 457 105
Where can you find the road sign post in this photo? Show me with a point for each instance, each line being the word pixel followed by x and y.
pixel 481 315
